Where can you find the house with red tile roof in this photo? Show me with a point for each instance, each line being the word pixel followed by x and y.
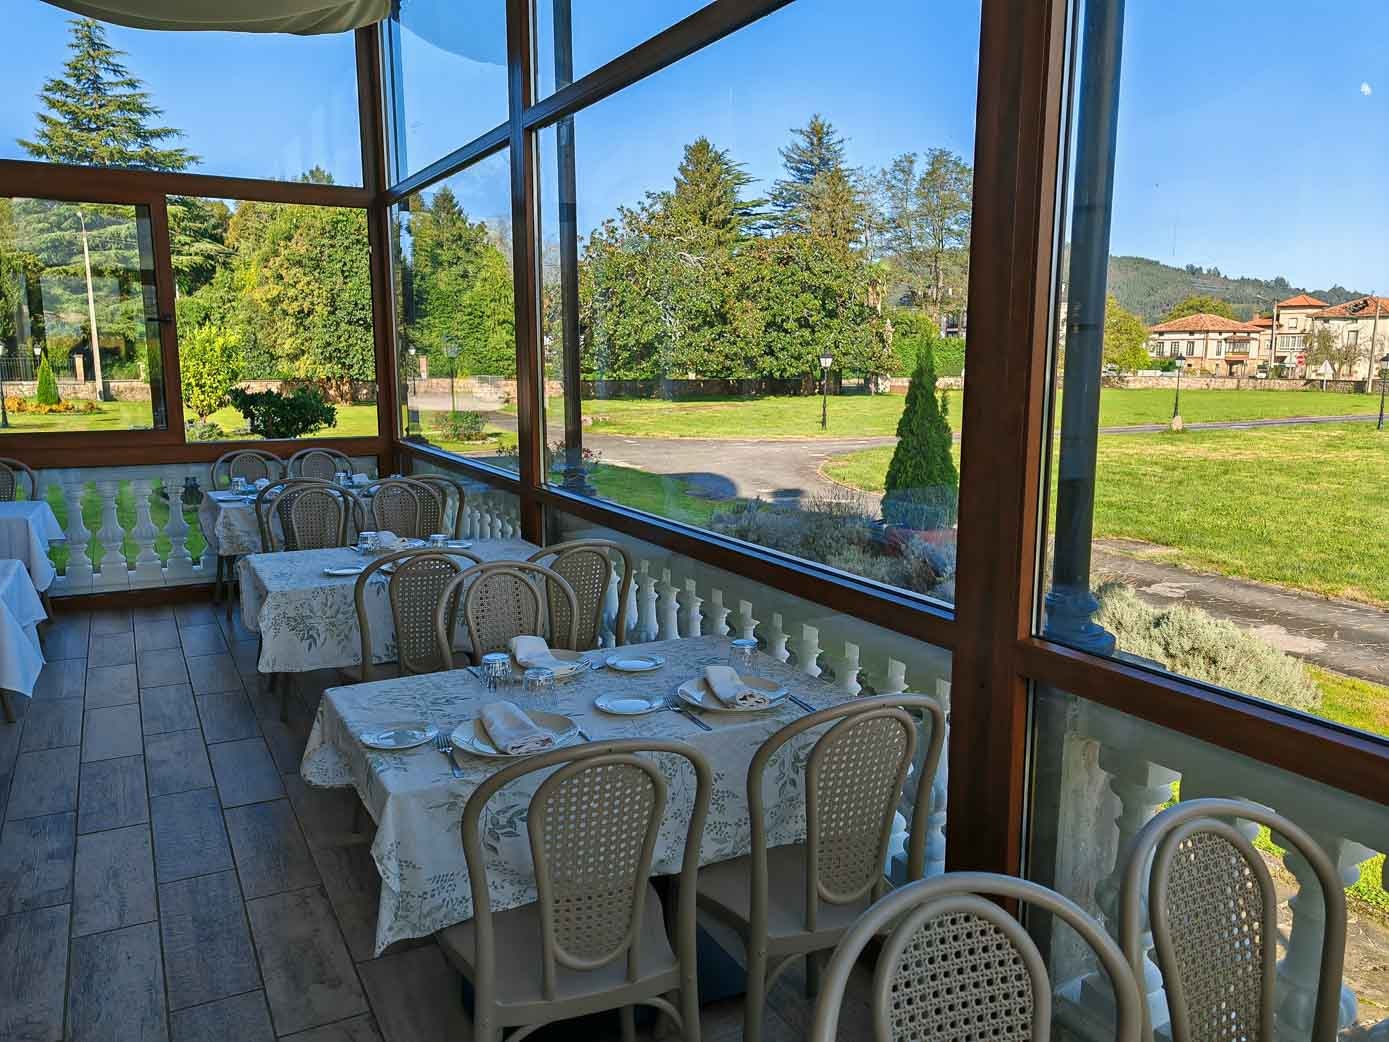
pixel 1284 335
pixel 1207 343
pixel 1361 329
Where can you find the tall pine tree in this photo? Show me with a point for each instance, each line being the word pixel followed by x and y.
pixel 816 151
pixel 709 192
pixel 921 479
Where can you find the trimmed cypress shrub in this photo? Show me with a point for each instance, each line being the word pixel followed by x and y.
pixel 47 391
pixel 922 483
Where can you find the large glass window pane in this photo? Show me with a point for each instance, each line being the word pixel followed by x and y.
pixel 274 303
pixel 1100 775
pixel 574 38
pixel 446 78
pixel 746 257
pixel 1219 353
pixel 79 318
pixel 456 308
pixel 262 105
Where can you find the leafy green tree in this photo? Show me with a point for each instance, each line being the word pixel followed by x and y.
pixel 1125 337
pixel 925 211
pixel 922 482
pixel 835 208
pixel 274 415
pixel 1201 305
pixel 209 362
pixel 46 391
pixel 1325 348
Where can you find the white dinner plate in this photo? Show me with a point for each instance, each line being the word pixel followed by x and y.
pixel 629 705
pixel 635 663
pixel 344 571
pixel 696 693
pixel 471 736
pixel 396 738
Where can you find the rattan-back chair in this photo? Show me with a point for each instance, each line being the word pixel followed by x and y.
pixel 251 464
pixel 1213 911
pixel 319 464
pixel 13 473
pixel 594 940
pixel 313 515
pixel 450 492
pixel 415 589
pixel 853 780
pixel 588 565
pixel 404 506
pixel 504 599
pixel 956 965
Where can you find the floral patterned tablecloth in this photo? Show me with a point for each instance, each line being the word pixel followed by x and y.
pixel 229 526
pixel 417 803
pixel 308 620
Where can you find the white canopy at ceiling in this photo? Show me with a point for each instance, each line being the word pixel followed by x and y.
pixel 305 17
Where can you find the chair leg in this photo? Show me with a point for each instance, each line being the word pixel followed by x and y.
pixel 813 964
pixel 629 1023
pixel 756 995
pixel 230 583
pixel 689 1013
pixel 5 705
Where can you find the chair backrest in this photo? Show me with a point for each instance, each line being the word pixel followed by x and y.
pixel 313 515
pixel 956 965
pixel 588 566
pixel 321 464
pixel 449 490
pixel 593 826
pixel 404 506
pixel 251 464
pixel 13 474
pixel 504 599
pixel 415 590
pixel 853 781
pixel 1212 907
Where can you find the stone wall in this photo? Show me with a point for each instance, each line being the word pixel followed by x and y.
pixel 1234 383
pixel 116 390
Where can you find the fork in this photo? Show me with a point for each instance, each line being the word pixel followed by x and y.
pixel 445 746
pixel 672 704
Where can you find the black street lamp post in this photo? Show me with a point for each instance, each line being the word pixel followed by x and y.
pixel 1383 381
pixel 826 360
pixel 1177 398
pixel 4 412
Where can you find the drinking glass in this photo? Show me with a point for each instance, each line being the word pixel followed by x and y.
pixel 539 685
pixel 438 541
pixel 496 669
pixel 365 542
pixel 742 656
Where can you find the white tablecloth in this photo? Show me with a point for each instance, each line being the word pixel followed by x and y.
pixel 21 655
pixel 418 804
pixel 308 620
pixel 26 529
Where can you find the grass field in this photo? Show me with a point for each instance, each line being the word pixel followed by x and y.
pixel 876 415
pixel 1296 506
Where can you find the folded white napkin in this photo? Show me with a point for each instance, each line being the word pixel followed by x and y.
pixel 387 540
pixel 512 731
pixel 360 479
pixel 728 688
pixel 533 653
pixel 261 482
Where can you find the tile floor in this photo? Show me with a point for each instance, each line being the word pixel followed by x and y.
pixel 165 875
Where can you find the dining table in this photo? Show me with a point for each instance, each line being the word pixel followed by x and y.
pixel 21 611
pixel 416 796
pixel 307 620
pixel 27 526
pixel 228 521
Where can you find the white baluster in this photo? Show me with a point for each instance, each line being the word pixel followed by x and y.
pixel 647 627
pixel 181 563
pixel 607 625
pixel 487 519
pixel 148 571
pixel 808 651
pixel 940 787
pixel 631 612
pixel 668 607
pixel 776 639
pixel 470 525
pixel 694 619
pixel 718 614
pixel 79 569
pixel 745 624
pixel 114 571
pixel 895 682
pixel 846 671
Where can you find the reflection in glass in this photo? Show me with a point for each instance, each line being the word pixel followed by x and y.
pixel 79 318
pixel 574 37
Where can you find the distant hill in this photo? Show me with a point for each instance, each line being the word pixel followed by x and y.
pixel 1151 289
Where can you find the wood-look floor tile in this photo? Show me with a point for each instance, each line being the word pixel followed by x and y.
pixel 155 636
pixel 357 1029
pixel 242 1018
pixel 36 862
pixel 177 762
pixel 116 992
pixel 113 884
pixel 415 995
pixel 110 620
pixel 207 946
pixel 112 732
pixel 112 686
pixel 245 772
pixel 309 977
pixel 33 974
pixel 353 886
pixel 199 613
pixel 52 723
pixel 45 782
pixel 227 716
pixel 66 638
pixel 271 855
pixel 112 794
pixel 64 678
pixel 162 667
pixel 111 649
pixel 212 673
pixel 164 709
pixel 202 640
pixel 190 838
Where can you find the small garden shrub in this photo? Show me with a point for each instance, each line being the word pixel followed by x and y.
pixel 204 430
pixel 922 483
pixel 46 393
pixel 462 425
pixel 274 415
pixel 79 406
pixel 1188 641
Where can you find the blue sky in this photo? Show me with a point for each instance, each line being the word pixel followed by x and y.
pixel 1252 136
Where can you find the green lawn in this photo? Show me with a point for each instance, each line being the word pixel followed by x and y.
pixel 114 416
pixel 354 421
pixel 1353 702
pixel 1295 506
pixel 859 415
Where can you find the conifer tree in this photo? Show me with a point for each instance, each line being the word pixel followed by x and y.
pixel 921 479
pixel 46 391
pixel 816 151
pixel 709 192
